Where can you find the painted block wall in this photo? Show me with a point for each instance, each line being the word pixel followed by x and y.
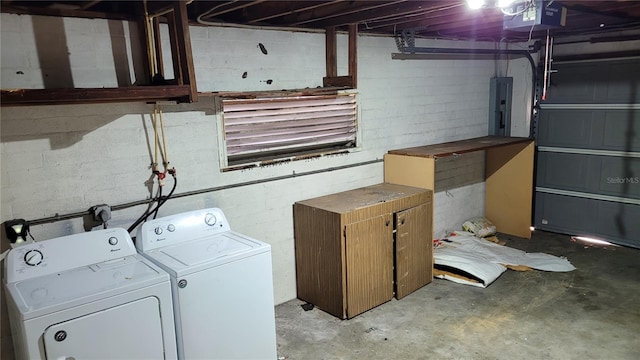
pixel 63 159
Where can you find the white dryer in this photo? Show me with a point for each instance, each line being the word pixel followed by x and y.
pixel 222 285
pixel 88 296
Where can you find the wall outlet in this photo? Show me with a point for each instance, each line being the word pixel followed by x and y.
pixel 101 213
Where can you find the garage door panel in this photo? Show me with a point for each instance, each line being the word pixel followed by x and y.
pixel 564 171
pixel 565 213
pixel 588 217
pixel 588 154
pixel 571 86
pixel 610 129
pixel 621 130
pixel 620 177
pixel 604 175
pixel 596 82
pixel 566 128
pixel 621 221
pixel 618 87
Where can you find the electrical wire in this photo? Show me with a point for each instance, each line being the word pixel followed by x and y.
pixel 528 5
pixel 200 18
pixel 160 200
pixel 145 214
pixel 155 212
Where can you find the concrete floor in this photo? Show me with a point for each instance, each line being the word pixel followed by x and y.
pixel 590 313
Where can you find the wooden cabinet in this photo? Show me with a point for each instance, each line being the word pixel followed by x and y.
pixel 355 249
pixel 508 175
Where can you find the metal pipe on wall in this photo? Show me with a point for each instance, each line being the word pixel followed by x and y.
pixel 79 214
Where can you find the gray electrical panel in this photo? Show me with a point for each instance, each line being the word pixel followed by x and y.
pixel 500 106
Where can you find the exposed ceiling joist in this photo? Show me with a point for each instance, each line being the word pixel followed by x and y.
pixel 433 18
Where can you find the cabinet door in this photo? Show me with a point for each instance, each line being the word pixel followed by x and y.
pixel 413 250
pixel 369 263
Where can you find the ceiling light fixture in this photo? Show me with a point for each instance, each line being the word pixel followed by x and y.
pixel 500 4
pixel 475 4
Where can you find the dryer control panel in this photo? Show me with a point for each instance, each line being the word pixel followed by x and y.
pixel 183 227
pixel 67 252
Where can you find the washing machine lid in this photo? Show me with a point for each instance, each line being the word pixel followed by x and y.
pixel 54 292
pixel 203 253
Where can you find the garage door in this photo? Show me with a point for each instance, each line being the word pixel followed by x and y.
pixel 588 158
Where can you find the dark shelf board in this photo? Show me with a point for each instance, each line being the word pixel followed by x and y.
pixel 93 95
pixel 459 147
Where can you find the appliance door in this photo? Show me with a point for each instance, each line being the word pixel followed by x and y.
pixel 129 331
pixel 227 311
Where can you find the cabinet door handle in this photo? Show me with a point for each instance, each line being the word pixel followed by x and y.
pixel 402 222
pixel 387 223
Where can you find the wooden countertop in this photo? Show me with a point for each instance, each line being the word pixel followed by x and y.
pixel 459 147
pixel 350 200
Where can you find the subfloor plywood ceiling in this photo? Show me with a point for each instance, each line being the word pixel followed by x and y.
pixel 444 19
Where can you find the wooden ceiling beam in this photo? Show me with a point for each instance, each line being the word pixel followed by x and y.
pixel 92 95
pixel 43 11
pixel 89 4
pixel 371 15
pixel 339 10
pixel 279 13
pixel 240 6
pixel 418 17
pixel 180 31
pixel 441 20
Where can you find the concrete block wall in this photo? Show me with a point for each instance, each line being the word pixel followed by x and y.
pixel 64 52
pixel 62 159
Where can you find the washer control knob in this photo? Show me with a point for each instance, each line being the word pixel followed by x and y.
pixel 113 240
pixel 171 228
pixel 158 230
pixel 33 257
pixel 210 219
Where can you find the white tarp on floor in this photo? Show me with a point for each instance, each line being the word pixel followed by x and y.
pixel 467 259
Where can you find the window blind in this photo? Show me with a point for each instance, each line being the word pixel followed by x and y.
pixel 270 128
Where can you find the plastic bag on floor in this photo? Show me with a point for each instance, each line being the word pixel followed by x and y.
pixel 479 226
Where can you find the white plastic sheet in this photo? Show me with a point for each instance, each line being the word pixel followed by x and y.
pixel 486 261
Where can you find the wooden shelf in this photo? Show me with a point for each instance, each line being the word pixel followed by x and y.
pixel 139 93
pixel 184 90
pixel 508 175
pixel 459 147
pixel 93 95
pixel 328 90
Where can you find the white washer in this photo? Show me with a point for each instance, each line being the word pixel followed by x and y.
pixel 222 285
pixel 88 296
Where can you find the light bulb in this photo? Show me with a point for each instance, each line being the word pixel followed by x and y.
pixel 475 4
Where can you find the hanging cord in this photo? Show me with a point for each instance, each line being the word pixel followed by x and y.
pixel 160 200
pixel 155 212
pixel 146 213
pixel 164 199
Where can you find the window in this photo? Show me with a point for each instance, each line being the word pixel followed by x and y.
pixel 266 130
